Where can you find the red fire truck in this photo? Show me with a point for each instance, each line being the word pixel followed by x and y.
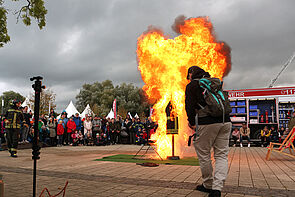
pixel 262 107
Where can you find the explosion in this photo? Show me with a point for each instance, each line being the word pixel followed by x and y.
pixel 163 64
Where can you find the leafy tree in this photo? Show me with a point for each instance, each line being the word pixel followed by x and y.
pixel 101 94
pixel 100 97
pixel 34 9
pixel 9 96
pixel 47 99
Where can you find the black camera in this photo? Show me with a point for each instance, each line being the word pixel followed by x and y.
pixel 38 78
pixel 190 139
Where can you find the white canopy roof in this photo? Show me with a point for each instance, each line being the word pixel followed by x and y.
pixel 87 110
pixel 71 109
pixel 136 116
pixel 111 114
pixel 27 103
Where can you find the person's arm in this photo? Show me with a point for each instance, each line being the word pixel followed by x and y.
pixel 190 103
pixel 241 131
pixel 248 131
pixel 5 118
pixel 269 133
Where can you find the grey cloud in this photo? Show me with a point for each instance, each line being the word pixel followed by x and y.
pixel 87 41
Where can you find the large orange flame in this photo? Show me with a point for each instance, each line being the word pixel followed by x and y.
pixel 163 64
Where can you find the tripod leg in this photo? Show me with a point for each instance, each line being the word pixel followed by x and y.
pixel 146 150
pixel 137 152
pixel 157 153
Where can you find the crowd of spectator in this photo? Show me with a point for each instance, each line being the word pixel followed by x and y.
pixel 98 130
pixel 91 130
pixel 267 135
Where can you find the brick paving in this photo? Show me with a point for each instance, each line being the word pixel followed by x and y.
pixel 249 174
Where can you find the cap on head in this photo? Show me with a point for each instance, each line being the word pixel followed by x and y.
pixel 197 73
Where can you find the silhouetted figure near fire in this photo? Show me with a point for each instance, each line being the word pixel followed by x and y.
pixel 213 130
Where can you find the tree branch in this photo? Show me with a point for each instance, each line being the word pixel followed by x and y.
pixel 27 7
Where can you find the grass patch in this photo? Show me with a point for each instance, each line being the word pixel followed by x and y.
pixel 190 161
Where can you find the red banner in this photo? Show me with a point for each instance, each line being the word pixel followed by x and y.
pixel 284 91
pixel 115 108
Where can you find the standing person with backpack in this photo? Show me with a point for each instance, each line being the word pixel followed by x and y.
pixel 206 102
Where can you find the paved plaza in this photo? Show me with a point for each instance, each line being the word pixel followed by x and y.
pixel 249 174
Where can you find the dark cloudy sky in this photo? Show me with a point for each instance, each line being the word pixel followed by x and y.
pixel 87 41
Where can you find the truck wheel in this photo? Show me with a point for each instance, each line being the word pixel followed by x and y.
pixel 257 134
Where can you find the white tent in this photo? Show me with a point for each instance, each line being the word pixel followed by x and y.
pixel 111 114
pixel 27 103
pixel 87 110
pixel 136 116
pixel 71 109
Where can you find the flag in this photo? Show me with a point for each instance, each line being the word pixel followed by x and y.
pixel 115 108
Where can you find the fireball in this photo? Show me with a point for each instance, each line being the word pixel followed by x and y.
pixel 163 64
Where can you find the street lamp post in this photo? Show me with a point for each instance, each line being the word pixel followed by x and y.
pixel 37 86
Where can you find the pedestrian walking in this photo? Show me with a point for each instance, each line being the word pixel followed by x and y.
pixel 14 119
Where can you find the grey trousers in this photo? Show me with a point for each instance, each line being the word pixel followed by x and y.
pixel 214 136
pixel 25 131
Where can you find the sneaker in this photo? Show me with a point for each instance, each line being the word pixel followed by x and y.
pixel 241 145
pixel 203 189
pixel 215 193
pixel 13 154
pixel 249 145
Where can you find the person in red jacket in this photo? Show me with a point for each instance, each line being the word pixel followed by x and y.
pixel 71 125
pixel 59 132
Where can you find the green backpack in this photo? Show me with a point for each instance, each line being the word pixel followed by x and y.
pixel 216 99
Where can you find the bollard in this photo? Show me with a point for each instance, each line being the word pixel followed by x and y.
pixel 1 186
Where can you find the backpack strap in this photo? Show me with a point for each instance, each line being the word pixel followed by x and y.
pixel 201 106
pixel 205 84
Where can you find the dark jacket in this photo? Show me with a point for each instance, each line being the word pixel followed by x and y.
pixel 193 97
pixel 27 118
pixel 78 122
pixel 15 118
